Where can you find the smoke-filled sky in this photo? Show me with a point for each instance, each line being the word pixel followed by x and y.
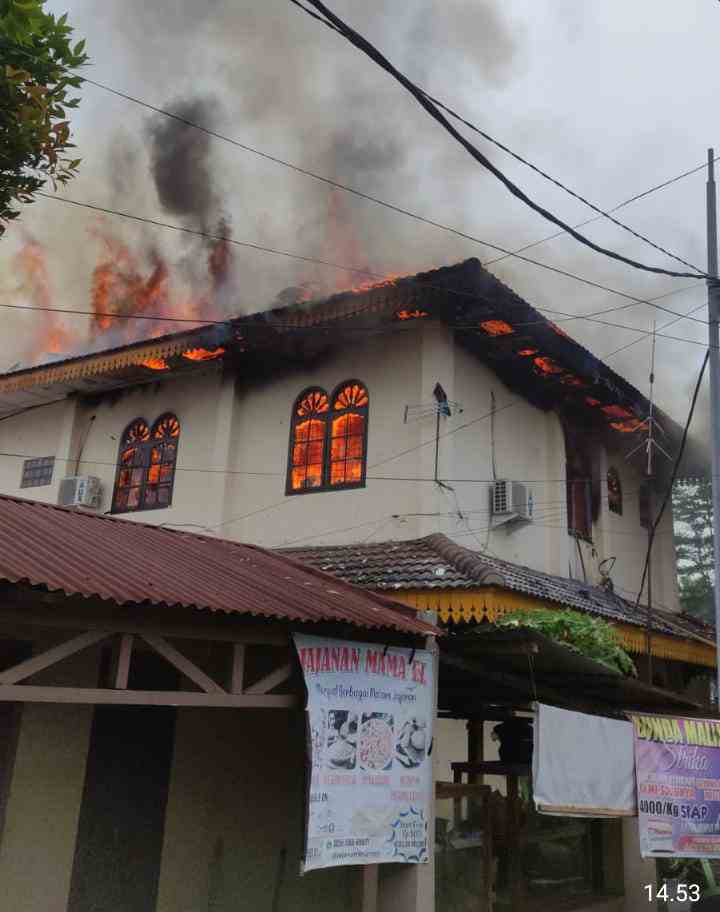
pixel 610 97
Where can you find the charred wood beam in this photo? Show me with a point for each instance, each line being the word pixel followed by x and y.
pixel 96 696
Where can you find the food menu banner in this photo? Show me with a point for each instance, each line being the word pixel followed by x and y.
pixel 370 714
pixel 677 767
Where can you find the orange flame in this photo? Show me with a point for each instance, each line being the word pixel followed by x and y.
pixel 411 314
pixel 628 426
pixel 497 328
pixel 156 364
pixel 31 265
pixel 203 354
pixel 526 352
pixel 547 366
pixel 592 402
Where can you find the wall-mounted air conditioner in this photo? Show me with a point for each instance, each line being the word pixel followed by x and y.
pixel 80 491
pixel 510 501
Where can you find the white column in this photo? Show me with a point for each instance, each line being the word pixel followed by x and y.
pixel 637 871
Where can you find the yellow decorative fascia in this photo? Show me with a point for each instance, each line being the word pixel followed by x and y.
pixel 489 603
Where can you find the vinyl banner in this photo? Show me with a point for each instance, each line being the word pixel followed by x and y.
pixel 677 766
pixel 370 715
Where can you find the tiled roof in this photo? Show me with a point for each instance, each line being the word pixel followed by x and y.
pixel 127 562
pixel 436 562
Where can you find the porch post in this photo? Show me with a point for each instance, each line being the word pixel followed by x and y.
pixel 637 871
pixel 411 888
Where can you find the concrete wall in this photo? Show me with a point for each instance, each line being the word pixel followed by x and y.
pixel 233 452
pixel 234 826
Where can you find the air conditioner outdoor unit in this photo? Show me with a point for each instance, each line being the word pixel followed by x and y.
pixel 511 501
pixel 80 491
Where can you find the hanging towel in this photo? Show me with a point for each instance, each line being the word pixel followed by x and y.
pixel 583 766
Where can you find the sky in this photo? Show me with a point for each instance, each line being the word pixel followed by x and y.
pixel 610 98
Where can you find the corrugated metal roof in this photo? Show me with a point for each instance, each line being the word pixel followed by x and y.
pixel 436 562
pixel 80 553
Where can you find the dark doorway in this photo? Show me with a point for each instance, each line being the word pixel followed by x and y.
pixel 122 816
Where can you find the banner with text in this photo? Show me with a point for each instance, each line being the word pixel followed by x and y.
pixel 370 716
pixel 677 767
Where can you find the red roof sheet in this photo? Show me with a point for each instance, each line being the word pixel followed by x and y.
pixel 127 562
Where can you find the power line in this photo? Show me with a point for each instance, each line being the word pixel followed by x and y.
pixel 316 261
pixel 597 218
pixel 432 107
pixel 664 326
pixel 676 466
pixel 373 199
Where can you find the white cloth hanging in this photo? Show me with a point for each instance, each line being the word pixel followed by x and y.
pixel 583 766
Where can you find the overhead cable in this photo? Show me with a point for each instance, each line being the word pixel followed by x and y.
pixel 433 109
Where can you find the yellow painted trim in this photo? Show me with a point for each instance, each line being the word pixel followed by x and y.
pixel 492 602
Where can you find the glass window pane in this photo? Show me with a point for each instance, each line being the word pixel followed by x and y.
pixel 166 472
pixel 355 446
pixel 150 496
pixel 164 494
pixel 137 476
pixel 337 448
pixel 153 475
pixel 133 498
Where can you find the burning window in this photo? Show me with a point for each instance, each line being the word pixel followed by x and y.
pixel 307 442
pixel 146 465
pixel 582 494
pixel 328 439
pixel 614 489
pixel 37 472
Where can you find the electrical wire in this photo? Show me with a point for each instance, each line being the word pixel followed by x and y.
pixel 673 476
pixel 432 107
pixel 393 207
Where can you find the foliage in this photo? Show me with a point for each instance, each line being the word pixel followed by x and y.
pixel 692 514
pixel 590 636
pixel 35 87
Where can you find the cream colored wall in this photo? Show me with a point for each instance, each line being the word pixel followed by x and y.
pixel 38 839
pixel 195 401
pixel 625 539
pixel 234 825
pixel 256 507
pixel 33 434
pixel 232 460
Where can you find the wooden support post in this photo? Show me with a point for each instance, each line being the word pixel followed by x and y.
pixel 513 845
pixel 366 895
pixel 457 802
pixel 121 662
pixel 237 674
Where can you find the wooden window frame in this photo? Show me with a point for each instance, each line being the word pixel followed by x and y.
pixel 613 477
pixel 328 418
pixel 145 447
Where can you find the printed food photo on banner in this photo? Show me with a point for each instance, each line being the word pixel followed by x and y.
pixel 341 739
pixel 411 742
pixel 376 741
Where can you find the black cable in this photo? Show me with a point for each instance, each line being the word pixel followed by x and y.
pixel 295 256
pixel 597 218
pixel 676 466
pixel 373 199
pixel 432 108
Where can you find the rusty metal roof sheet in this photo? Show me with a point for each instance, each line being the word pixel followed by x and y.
pixel 81 553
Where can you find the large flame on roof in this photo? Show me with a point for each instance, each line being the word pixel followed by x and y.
pixel 129 287
pixel 203 354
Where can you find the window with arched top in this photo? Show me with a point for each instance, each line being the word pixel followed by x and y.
pixel 614 490
pixel 308 431
pixel 146 465
pixel 328 439
pixel 348 435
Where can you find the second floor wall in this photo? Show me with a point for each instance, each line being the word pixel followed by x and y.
pixel 233 451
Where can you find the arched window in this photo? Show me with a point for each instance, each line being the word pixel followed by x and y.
pixel 328 439
pixel 146 465
pixel 308 431
pixel 348 435
pixel 614 488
